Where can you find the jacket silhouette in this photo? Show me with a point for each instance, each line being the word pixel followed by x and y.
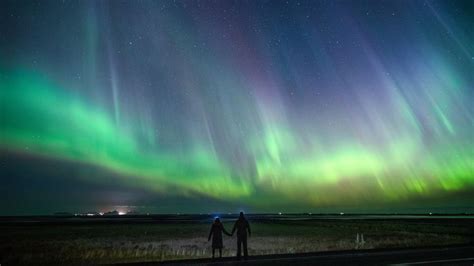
pixel 216 233
pixel 242 226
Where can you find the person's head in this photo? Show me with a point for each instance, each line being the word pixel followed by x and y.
pixel 241 216
pixel 217 220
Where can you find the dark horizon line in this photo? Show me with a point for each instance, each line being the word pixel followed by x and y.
pixel 68 214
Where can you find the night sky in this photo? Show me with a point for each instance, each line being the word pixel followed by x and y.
pixel 221 106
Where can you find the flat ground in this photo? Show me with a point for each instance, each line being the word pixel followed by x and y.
pixel 446 255
pixel 73 240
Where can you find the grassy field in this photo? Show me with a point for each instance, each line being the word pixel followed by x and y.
pixel 113 243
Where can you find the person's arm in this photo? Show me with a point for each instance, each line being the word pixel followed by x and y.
pixel 210 233
pixel 233 229
pixel 248 227
pixel 225 231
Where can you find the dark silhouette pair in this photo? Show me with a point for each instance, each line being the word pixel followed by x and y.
pixel 217 228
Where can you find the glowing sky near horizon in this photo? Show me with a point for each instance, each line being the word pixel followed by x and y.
pixel 264 104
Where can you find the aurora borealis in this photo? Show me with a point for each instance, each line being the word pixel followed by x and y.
pixel 200 106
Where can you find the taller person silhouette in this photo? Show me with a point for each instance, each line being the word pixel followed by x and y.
pixel 242 226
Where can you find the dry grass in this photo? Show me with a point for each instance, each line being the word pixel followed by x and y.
pixel 132 243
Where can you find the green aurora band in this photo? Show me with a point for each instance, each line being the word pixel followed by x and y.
pixel 34 121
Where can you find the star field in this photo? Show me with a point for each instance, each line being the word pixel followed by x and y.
pixel 196 106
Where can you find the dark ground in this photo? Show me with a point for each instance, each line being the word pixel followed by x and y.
pixel 450 255
pixel 97 240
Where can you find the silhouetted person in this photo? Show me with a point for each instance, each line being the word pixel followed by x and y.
pixel 242 226
pixel 216 232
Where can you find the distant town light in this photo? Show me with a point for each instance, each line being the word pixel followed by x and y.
pixel 279 213
pixel 341 213
pixel 121 213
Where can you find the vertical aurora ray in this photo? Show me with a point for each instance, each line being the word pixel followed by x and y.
pixel 303 106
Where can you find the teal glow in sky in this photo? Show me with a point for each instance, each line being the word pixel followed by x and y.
pixel 268 106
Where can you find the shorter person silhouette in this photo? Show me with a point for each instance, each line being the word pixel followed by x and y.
pixel 242 226
pixel 216 232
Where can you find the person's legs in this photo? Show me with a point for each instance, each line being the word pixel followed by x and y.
pixel 244 243
pixel 213 251
pixel 239 242
pixel 220 253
